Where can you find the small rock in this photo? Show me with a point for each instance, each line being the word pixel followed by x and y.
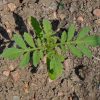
pixel 6 73
pixel 16 98
pixel 55 15
pixel 73 7
pixel 15 75
pixel 26 88
pixel 60 94
pixel 9 33
pixel 11 6
pixel 62 16
pixel 96 12
pixel 11 67
pixel 80 19
pixel 97 21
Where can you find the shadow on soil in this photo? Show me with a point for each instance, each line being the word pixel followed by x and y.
pixel 77 72
pixel 5 35
pixel 20 26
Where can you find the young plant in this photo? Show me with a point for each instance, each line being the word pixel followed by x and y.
pixel 46 42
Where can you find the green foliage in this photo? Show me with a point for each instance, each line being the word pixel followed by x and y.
pixel 46 42
pixel 19 41
pixel 25 59
pixel 28 38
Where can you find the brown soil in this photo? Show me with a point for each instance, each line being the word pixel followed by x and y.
pixel 81 77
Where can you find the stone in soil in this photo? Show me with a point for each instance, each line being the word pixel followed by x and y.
pixel 97 21
pixel 96 12
pixel 11 67
pixel 15 76
pixel 80 19
pixel 11 6
pixel 16 98
pixel 6 73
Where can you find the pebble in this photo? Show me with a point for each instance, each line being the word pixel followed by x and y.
pixel 15 75
pixel 9 33
pixel 26 88
pixel 96 12
pixel 60 94
pixel 97 21
pixel 11 67
pixel 12 6
pixel 80 19
pixel 16 98
pixel 62 16
pixel 55 15
pixel 6 73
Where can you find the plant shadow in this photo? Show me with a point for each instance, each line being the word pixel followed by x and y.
pixel 20 24
pixel 4 35
pixel 77 72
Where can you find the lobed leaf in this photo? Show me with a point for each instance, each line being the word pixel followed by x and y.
pixel 71 32
pixel 92 40
pixel 11 53
pixel 47 26
pixel 38 41
pixel 83 32
pixel 75 51
pixel 36 58
pixel 35 24
pixel 63 37
pixel 56 69
pixel 41 54
pixel 19 41
pixel 85 50
pixel 28 38
pixel 25 60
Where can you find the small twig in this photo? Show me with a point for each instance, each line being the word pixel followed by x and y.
pixel 95 58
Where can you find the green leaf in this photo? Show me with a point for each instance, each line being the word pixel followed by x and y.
pixel 19 41
pixel 38 42
pixel 83 32
pixel 25 60
pixel 75 51
pixel 59 57
pixel 11 53
pixel 50 54
pixel 63 37
pixel 85 50
pixel 36 58
pixel 64 49
pixel 52 62
pixel 71 32
pixel 56 69
pixel 92 40
pixel 35 24
pixel 28 38
pixel 41 54
pixel 47 26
